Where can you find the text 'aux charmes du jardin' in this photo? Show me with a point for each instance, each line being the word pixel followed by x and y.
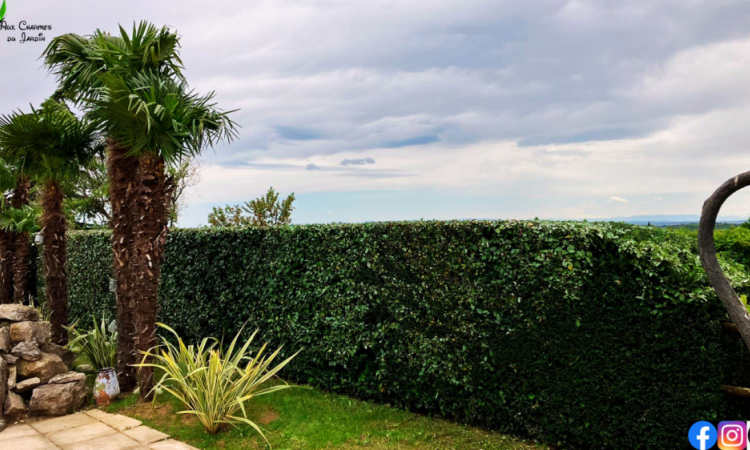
pixel 23 26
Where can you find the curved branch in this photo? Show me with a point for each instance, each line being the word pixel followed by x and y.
pixel 724 290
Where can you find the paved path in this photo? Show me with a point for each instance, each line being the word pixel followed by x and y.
pixel 89 430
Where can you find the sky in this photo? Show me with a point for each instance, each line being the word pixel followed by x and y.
pixel 433 109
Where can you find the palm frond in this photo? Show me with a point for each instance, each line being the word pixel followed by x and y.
pixel 152 113
pixel 78 61
pixel 24 220
pixel 50 143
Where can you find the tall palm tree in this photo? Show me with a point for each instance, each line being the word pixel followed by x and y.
pixel 7 183
pixel 161 122
pixel 79 62
pixel 21 223
pixel 21 197
pixel 51 146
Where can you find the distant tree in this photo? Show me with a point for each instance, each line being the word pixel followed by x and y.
pixel 87 199
pixel 182 176
pixel 87 202
pixel 265 211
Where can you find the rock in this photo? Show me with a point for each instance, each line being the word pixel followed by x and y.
pixel 18 313
pixel 10 359
pixel 66 355
pixel 14 405
pixel 85 368
pixel 58 399
pixel 28 351
pixel 12 377
pixel 37 332
pixel 44 369
pixel 3 382
pixel 4 340
pixel 27 385
pixel 69 377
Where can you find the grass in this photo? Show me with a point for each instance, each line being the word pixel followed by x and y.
pixel 310 419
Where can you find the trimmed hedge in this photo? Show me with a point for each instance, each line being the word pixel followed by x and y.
pixel 591 335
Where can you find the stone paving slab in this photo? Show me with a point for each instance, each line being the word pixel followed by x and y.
pixel 19 431
pixel 97 414
pixel 71 436
pixel 91 430
pixel 145 435
pixel 29 443
pixel 121 423
pixel 62 423
pixel 112 442
pixel 170 445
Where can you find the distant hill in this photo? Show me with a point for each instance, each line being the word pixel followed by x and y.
pixel 671 220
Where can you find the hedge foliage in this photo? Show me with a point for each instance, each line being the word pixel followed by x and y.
pixel 731 243
pixel 591 335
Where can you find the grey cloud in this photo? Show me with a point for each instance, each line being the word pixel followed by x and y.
pixel 383 74
pixel 357 162
pixel 312 166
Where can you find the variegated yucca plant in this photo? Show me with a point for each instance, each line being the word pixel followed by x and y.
pixel 212 384
pixel 98 346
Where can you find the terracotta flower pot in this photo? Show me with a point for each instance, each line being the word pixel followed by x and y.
pixel 106 387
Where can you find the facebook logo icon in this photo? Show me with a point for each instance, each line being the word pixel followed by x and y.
pixel 702 435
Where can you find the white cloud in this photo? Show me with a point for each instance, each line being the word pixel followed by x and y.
pixel 546 179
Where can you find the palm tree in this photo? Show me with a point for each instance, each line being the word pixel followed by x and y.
pixel 161 122
pixel 79 63
pixel 7 183
pixel 51 146
pixel 21 222
pixel 21 246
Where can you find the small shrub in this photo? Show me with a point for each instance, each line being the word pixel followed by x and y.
pixel 212 384
pixel 98 346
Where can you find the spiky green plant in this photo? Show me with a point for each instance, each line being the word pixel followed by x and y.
pixel 213 384
pixel 23 220
pixel 98 346
pixel 45 314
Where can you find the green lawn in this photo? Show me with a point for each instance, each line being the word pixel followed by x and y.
pixel 304 418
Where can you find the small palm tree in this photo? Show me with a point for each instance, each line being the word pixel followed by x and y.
pixel 7 183
pixel 51 146
pixel 22 222
pixel 161 122
pixel 79 63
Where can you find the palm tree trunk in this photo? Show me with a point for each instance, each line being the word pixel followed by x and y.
pixel 21 258
pixel 22 246
pixel 123 172
pixel 151 231
pixel 6 267
pixel 54 226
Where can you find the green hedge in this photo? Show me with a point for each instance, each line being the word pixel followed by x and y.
pixel 591 335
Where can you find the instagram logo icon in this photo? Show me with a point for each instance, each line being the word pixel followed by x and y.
pixel 732 435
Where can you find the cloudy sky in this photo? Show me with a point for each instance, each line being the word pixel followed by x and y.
pixel 437 109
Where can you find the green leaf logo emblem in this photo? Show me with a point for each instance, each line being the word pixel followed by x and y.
pixel 2 11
